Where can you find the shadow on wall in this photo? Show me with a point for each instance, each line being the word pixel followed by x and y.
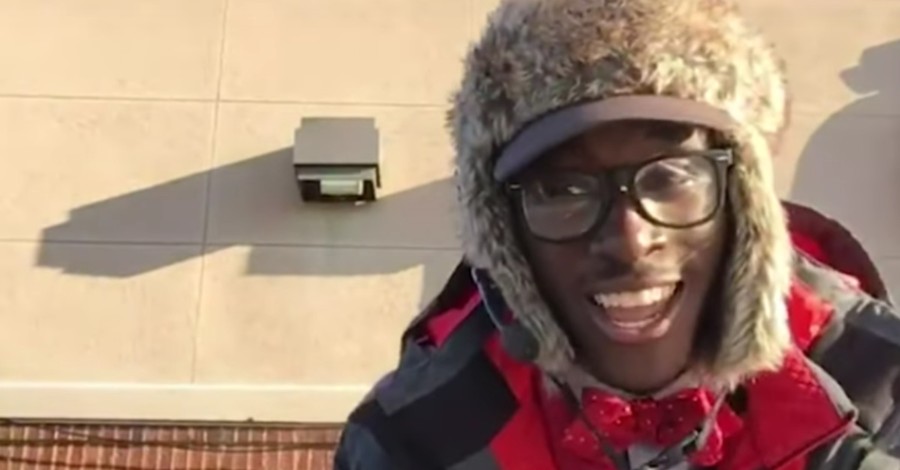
pixel 255 202
pixel 851 164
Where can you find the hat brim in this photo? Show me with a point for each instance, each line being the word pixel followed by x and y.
pixel 559 126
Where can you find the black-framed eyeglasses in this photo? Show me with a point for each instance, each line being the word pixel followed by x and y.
pixel 679 190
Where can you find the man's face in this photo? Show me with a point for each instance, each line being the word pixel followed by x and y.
pixel 626 288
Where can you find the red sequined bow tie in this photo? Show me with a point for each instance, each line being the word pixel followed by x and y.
pixel 658 423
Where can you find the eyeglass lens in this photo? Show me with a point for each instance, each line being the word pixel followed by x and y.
pixel 675 191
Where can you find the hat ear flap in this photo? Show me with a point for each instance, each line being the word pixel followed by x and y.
pixel 489 241
pixel 756 332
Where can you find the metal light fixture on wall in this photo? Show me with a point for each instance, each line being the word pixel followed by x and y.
pixel 337 160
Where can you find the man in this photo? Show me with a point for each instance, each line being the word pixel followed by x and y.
pixel 633 295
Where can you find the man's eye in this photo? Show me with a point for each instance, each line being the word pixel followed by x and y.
pixel 667 182
pixel 670 176
pixel 561 189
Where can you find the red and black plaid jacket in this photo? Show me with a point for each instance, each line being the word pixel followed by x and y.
pixel 457 401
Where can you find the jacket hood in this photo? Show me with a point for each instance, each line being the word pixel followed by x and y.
pixel 537 57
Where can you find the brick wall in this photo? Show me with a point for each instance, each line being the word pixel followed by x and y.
pixel 124 446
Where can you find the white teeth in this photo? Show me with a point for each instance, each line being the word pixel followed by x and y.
pixel 637 324
pixel 641 298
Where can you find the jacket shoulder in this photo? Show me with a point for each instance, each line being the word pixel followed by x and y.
pixel 829 242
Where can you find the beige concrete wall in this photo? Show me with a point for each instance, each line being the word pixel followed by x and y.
pixel 843 152
pixel 155 259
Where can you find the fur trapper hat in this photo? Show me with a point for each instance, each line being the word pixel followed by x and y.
pixel 537 58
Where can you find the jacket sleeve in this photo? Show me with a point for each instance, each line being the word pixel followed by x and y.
pixel 371 440
pixel 358 450
pixel 854 452
pixel 862 352
pixel 860 349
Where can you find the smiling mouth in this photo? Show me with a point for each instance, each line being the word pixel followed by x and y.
pixel 635 310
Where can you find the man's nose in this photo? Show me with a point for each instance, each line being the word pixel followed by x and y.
pixel 625 234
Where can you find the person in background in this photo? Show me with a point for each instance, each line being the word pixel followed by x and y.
pixel 634 295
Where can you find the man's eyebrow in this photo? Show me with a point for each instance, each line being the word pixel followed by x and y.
pixel 570 152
